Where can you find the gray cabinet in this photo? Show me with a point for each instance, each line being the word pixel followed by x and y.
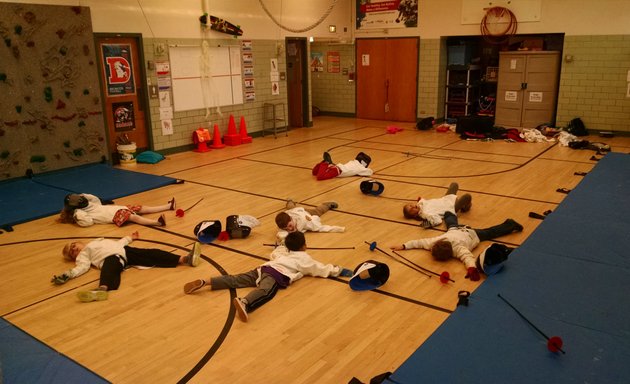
pixel 527 89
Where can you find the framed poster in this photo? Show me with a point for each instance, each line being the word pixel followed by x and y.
pixel 334 64
pixel 124 119
pixel 386 14
pixel 118 70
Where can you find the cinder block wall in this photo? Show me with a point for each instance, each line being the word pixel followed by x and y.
pixel 593 85
pixel 185 122
pixel 431 79
pixel 332 92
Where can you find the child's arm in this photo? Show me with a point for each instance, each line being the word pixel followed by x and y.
pixel 82 266
pixel 82 218
pixel 466 257
pixel 411 244
pixel 331 228
pixel 92 198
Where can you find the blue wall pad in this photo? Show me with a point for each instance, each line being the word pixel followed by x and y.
pixel 26 360
pixel 570 279
pixel 23 200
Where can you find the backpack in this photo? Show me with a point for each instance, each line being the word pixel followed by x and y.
pixel 576 127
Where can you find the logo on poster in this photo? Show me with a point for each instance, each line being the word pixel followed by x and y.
pixel 119 70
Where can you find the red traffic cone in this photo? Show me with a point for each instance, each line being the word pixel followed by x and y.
pixel 216 138
pixel 245 138
pixel 201 137
pixel 232 138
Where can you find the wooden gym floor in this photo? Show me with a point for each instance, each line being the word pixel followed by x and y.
pixel 317 330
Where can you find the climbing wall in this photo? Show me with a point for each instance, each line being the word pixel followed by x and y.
pixel 50 105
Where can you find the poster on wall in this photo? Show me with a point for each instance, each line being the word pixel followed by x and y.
pixel 118 73
pixel 124 119
pixel 334 62
pixel 387 14
pixel 317 62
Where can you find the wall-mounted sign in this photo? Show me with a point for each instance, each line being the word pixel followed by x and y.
pixel 535 97
pixel 123 114
pixel 510 96
pixel 117 66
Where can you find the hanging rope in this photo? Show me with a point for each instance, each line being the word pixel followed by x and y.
pixel 322 18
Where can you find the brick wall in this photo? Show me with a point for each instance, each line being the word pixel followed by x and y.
pixel 593 85
pixel 332 92
pixel 185 122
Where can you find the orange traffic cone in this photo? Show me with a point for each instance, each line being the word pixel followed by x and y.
pixel 216 138
pixel 232 138
pixel 243 132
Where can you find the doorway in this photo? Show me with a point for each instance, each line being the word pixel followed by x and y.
pixel 387 79
pixel 123 80
pixel 297 81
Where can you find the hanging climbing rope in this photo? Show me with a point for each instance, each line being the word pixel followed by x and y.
pixel 319 21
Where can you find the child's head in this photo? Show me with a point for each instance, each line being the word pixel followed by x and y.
pixel 411 211
pixel 72 250
pixel 295 241
pixel 284 221
pixel 442 250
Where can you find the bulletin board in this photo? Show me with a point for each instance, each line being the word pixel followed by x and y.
pixel 220 84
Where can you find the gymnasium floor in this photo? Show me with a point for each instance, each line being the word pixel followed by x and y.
pixel 318 330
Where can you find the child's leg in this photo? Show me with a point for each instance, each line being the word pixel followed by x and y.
pixel 243 280
pixel 328 172
pixel 267 289
pixel 322 208
pixel 505 228
pixel 450 219
pixel 160 208
pixel 110 272
pixel 144 221
pixel 317 167
pixel 151 257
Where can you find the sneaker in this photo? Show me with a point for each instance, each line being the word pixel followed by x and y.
pixel 193 286
pixel 95 295
pixel 332 204
pixel 463 203
pixel 194 257
pixel 241 310
pixel 172 204
pixel 452 189
pixel 516 227
pixel 162 220
pixel 327 158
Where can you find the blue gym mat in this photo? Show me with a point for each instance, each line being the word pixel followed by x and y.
pixel 23 200
pixel 569 279
pixel 26 360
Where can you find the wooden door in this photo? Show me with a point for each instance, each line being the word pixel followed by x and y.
pixel 371 78
pixel 123 89
pixel 296 89
pixel 387 79
pixel 402 77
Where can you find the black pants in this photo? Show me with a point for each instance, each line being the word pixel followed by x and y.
pixel 145 257
pixel 505 228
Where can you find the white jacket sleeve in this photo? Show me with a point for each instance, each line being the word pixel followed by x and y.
pixel 82 218
pixel 92 199
pixel 464 255
pixel 317 269
pixel 82 266
pixel 421 243
pixel 331 228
